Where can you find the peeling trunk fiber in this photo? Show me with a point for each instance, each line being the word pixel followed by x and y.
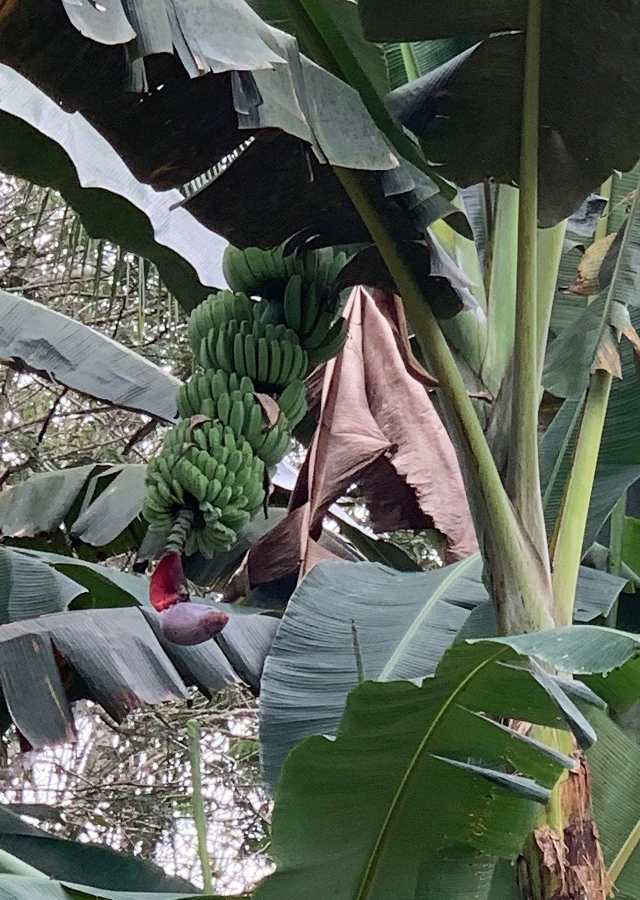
pixel 565 862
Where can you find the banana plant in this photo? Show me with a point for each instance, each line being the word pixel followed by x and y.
pixel 517 99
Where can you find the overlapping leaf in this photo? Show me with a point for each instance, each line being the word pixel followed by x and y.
pixel 469 110
pixel 347 620
pixel 117 657
pixel 81 863
pixel 259 86
pixel 75 355
pixel 350 820
pixel 44 144
pixel 97 506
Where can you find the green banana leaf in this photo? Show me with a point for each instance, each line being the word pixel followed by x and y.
pixel 28 588
pixel 21 887
pixel 44 144
pixel 253 83
pixel 420 57
pixel 614 763
pixel 109 509
pixel 370 813
pixel 87 864
pixel 468 112
pixel 94 508
pixel 38 338
pixel 330 33
pixel 348 621
pixel 567 373
pixel 116 656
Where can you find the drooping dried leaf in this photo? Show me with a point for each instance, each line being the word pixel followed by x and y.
pixel 378 427
pixel 270 408
pixel 588 279
pixel 607 356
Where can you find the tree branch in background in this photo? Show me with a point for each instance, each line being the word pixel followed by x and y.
pixel 144 431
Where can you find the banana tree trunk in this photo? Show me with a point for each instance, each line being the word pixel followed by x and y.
pixel 562 859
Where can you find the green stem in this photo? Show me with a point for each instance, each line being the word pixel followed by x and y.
pixel 624 854
pixel 199 818
pixel 572 522
pixel 501 525
pixel 410 63
pixel 602 228
pixel 524 481
pixel 570 533
pixel 550 244
pixel 618 522
pixel 180 532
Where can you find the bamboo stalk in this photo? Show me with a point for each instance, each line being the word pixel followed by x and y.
pixel 199 817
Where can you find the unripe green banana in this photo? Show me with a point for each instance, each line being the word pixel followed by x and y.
pixel 333 343
pixel 275 362
pixel 263 360
pixel 250 357
pixel 286 349
pixel 216 468
pixel 293 303
pixel 238 355
pixel 311 309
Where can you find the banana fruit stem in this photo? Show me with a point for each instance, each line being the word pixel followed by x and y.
pixel 180 531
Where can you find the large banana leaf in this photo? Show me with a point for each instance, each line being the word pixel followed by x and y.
pixel 253 83
pixel 347 621
pixel 469 110
pixel 619 458
pixel 614 762
pixel 117 657
pixel 43 340
pixel 330 33
pixel 87 864
pixel 29 588
pixel 88 507
pixel 21 887
pixel 44 144
pixel 415 797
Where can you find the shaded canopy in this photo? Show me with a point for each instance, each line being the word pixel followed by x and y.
pixel 195 84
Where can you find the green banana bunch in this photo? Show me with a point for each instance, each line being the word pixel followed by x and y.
pixel 214 461
pixel 265 272
pixel 213 472
pixel 307 313
pixel 271 355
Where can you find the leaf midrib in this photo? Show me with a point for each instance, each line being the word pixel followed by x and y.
pixel 411 632
pixel 367 882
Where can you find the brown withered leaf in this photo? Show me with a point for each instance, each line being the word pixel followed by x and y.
pixel 632 336
pixel 377 427
pixel 607 357
pixel 391 307
pixel 194 421
pixel 590 279
pixel 270 407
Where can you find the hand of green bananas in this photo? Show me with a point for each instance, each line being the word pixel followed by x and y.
pixel 214 460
